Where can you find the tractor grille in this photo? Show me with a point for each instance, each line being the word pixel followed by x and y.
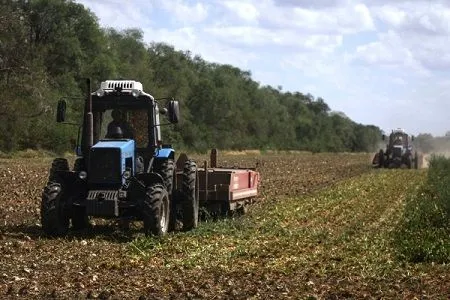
pixel 105 195
pixel 397 152
pixel 104 166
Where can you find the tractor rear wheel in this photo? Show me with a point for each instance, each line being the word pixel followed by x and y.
pixel 189 196
pixel 409 161
pixel 54 218
pixel 156 210
pixel 416 161
pixel 166 169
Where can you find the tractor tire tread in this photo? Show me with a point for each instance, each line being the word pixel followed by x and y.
pixel 58 164
pixel 166 170
pixel 189 196
pixel 54 220
pixel 152 204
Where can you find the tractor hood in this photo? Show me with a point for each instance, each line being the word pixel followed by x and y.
pixel 126 146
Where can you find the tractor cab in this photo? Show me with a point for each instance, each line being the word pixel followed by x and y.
pixel 399 143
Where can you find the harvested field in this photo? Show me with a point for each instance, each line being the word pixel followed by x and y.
pixel 320 230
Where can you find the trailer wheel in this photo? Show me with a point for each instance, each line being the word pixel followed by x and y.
pixel 156 210
pixel 58 164
pixel 54 218
pixel 190 199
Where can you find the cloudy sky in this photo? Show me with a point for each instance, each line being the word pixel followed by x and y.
pixel 385 63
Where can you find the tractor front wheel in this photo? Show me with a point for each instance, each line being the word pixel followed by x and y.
pixel 58 164
pixel 190 197
pixel 156 210
pixel 54 218
pixel 80 219
pixel 381 159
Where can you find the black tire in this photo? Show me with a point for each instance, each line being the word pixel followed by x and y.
pixel 409 161
pixel 80 219
pixel 189 196
pixel 156 210
pixel 166 169
pixel 381 160
pixel 416 161
pixel 58 164
pixel 79 165
pixel 54 218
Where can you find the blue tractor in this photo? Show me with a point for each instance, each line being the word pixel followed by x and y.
pixel 123 170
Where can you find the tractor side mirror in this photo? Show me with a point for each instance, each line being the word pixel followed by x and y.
pixel 61 111
pixel 174 111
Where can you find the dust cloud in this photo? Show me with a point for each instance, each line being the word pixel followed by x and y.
pixel 433 146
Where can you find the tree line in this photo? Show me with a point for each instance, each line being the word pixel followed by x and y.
pixel 48 47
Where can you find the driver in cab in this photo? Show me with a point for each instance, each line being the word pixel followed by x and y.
pixel 119 128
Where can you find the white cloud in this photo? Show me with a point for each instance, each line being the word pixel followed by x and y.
pixel 426 18
pixel 255 36
pixel 316 4
pixel 329 21
pixel 187 38
pixel 244 10
pixel 120 14
pixel 185 13
pixel 417 37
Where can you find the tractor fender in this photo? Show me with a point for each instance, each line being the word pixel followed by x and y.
pixel 150 178
pixel 165 153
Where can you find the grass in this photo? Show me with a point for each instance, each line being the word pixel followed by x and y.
pixel 424 232
pixel 334 243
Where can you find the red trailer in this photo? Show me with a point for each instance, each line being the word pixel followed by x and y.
pixel 224 189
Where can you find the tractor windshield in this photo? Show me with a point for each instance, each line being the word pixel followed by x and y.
pixel 399 139
pixel 121 123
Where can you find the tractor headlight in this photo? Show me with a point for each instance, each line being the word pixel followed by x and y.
pixel 135 93
pixel 127 174
pixel 82 175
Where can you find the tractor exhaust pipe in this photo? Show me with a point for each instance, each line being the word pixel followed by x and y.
pixel 89 116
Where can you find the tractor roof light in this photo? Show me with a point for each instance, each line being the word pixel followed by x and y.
pixel 100 93
pixel 135 93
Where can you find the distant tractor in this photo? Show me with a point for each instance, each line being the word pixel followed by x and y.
pixel 398 153
pixel 123 171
